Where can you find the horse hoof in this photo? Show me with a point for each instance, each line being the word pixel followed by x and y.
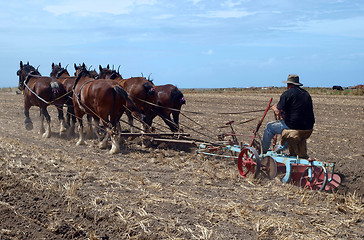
pixel 102 145
pixel 80 143
pixel 114 151
pixel 28 126
pixel 46 135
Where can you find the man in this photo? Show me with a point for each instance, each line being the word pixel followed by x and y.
pixel 295 108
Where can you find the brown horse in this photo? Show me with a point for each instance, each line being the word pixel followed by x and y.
pixel 140 91
pixel 169 100
pixel 68 82
pixel 107 73
pixel 40 91
pixel 103 99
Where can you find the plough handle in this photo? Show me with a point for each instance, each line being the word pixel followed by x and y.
pixel 260 122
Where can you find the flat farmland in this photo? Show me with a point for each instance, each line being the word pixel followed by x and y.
pixel 53 189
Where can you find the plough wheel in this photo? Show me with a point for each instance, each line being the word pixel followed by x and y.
pixel 257 146
pixel 269 167
pixel 249 161
pixel 314 178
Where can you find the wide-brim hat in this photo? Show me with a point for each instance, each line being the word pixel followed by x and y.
pixel 293 79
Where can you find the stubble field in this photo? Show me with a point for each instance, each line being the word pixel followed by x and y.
pixel 53 189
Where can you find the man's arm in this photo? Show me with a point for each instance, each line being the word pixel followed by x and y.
pixel 275 109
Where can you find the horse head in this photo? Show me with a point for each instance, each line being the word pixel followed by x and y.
pixel 81 72
pixel 23 72
pixel 79 68
pixel 94 74
pixel 58 71
pixel 55 69
pixel 107 73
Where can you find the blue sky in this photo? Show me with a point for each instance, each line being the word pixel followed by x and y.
pixel 190 43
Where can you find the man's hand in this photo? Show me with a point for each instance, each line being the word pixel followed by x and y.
pixel 275 109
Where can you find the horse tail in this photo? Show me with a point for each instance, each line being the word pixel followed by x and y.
pixel 56 89
pixel 177 96
pixel 129 103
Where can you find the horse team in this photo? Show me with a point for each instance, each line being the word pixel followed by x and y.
pixel 104 97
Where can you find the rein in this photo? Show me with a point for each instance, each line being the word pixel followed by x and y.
pixel 156 105
pixel 49 103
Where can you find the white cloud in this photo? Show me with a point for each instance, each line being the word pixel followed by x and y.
pixel 233 3
pixel 196 1
pixel 164 16
pixel 235 13
pixel 208 52
pixel 88 7
pixel 349 27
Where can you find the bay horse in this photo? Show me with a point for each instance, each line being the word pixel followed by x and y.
pixel 68 82
pixel 40 91
pixel 140 91
pixel 169 100
pixel 104 100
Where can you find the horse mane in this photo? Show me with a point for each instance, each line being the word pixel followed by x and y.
pixel 61 72
pixel 84 73
pixel 28 68
pixel 114 75
pixel 33 73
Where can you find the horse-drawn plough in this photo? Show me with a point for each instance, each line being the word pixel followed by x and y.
pixel 251 161
pixel 304 172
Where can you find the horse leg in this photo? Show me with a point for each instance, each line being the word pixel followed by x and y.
pixel 172 125
pixel 47 133
pixel 176 120
pixel 101 135
pixel 130 121
pixel 42 129
pixel 81 140
pixel 61 119
pixel 89 132
pixel 28 122
pixel 147 126
pixel 115 140
pixel 71 121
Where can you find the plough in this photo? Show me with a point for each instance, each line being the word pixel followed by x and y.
pixel 306 173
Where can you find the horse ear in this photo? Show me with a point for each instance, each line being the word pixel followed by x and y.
pixel 21 64
pixel 75 67
pixel 52 65
pixel 108 67
pixel 60 64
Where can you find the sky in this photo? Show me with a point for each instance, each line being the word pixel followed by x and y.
pixel 190 43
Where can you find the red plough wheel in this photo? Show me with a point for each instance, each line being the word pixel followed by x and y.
pixel 314 178
pixel 249 162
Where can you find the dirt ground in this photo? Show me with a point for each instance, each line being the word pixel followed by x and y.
pixel 53 189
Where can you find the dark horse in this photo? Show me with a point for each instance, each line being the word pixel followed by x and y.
pixel 105 100
pixel 140 91
pixel 40 91
pixel 169 100
pixel 68 82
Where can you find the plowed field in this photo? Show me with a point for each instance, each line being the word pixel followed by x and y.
pixel 53 189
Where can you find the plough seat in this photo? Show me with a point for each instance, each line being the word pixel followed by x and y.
pixel 296 141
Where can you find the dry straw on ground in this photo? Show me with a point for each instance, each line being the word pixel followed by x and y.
pixel 53 189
